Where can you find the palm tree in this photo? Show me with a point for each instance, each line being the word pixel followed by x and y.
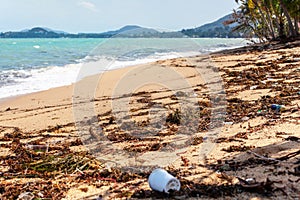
pixel 269 19
pixel 267 7
pixel 294 10
pixel 252 15
pixel 292 30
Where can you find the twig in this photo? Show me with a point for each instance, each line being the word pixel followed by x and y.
pixel 262 157
pixel 78 170
pixel 290 155
pixel 83 166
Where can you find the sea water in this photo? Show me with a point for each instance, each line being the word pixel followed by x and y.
pixel 31 65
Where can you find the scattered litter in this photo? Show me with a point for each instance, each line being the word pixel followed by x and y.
pixel 259 187
pixel 25 196
pixel 263 82
pixel 250 180
pixel 40 194
pixel 296 59
pixel 41 148
pixel 262 112
pixel 277 107
pixel 245 118
pixel 228 123
pixel 160 180
pixel 253 87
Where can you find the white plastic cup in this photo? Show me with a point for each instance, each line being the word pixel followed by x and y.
pixel 160 180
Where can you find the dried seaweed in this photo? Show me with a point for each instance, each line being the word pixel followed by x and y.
pixel 234 148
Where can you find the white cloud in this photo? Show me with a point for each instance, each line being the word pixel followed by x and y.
pixel 88 5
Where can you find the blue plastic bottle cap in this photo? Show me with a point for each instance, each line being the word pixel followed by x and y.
pixel 275 106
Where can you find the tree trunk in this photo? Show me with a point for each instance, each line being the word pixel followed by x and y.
pixel 288 17
pixel 264 19
pixel 277 19
pixel 281 29
pixel 270 21
pixel 296 21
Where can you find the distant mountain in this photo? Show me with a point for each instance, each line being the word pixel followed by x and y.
pixel 214 29
pixel 133 31
pixel 126 31
pixel 123 29
pixel 48 29
pixel 36 32
pixel 55 31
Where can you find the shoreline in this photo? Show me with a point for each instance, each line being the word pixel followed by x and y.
pixel 256 142
pixel 55 79
pixel 5 99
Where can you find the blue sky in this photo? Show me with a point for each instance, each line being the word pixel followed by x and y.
pixel 102 15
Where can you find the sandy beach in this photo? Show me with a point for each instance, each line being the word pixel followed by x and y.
pixel 207 119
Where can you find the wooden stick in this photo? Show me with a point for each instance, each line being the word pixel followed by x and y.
pixel 262 157
pixel 290 155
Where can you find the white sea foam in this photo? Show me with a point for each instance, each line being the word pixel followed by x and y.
pixel 41 79
pixel 35 80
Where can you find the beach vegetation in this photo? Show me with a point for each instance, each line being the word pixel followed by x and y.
pixel 174 117
pixel 269 20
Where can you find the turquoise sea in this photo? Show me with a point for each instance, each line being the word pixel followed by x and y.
pixel 31 65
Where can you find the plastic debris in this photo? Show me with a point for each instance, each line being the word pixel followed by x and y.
pixel 277 107
pixel 250 180
pixel 41 148
pixel 245 118
pixel 160 180
pixel 25 196
pixel 253 87
pixel 228 123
